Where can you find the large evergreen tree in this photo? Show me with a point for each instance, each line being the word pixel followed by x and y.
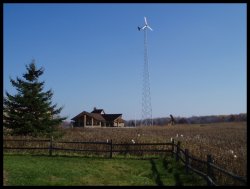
pixel 30 111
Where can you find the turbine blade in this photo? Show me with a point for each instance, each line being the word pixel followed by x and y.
pixel 143 27
pixel 145 20
pixel 150 28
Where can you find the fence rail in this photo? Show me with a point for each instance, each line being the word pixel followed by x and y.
pixel 81 142
pixel 175 150
pixel 80 150
pixel 28 140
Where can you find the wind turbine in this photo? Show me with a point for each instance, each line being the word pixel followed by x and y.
pixel 145 26
pixel 146 98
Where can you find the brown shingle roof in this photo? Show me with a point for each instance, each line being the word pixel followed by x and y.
pixel 98 117
pixel 79 115
pixel 111 117
pixel 94 115
pixel 98 111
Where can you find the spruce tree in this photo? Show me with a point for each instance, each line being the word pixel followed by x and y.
pixel 30 111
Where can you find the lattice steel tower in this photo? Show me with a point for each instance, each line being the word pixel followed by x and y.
pixel 146 119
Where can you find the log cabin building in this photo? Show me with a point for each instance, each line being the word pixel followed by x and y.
pixel 97 118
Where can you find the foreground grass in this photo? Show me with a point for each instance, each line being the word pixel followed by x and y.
pixel 44 171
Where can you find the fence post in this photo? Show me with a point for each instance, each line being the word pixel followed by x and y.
pixel 51 146
pixel 209 160
pixel 172 148
pixel 186 159
pixel 178 150
pixel 111 149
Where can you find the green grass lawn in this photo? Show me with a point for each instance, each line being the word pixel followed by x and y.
pixel 74 171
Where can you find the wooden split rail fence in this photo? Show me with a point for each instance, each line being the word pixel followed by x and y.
pixel 191 163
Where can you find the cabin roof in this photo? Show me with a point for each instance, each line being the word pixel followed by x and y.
pixel 111 117
pixel 98 111
pixel 98 116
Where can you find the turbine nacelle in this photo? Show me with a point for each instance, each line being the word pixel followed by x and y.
pixel 145 26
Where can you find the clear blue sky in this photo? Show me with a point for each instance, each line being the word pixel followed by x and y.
pixel 93 56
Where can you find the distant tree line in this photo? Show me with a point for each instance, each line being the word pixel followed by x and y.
pixel 194 119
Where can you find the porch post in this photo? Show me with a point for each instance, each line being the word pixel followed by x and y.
pixel 84 124
pixel 92 121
